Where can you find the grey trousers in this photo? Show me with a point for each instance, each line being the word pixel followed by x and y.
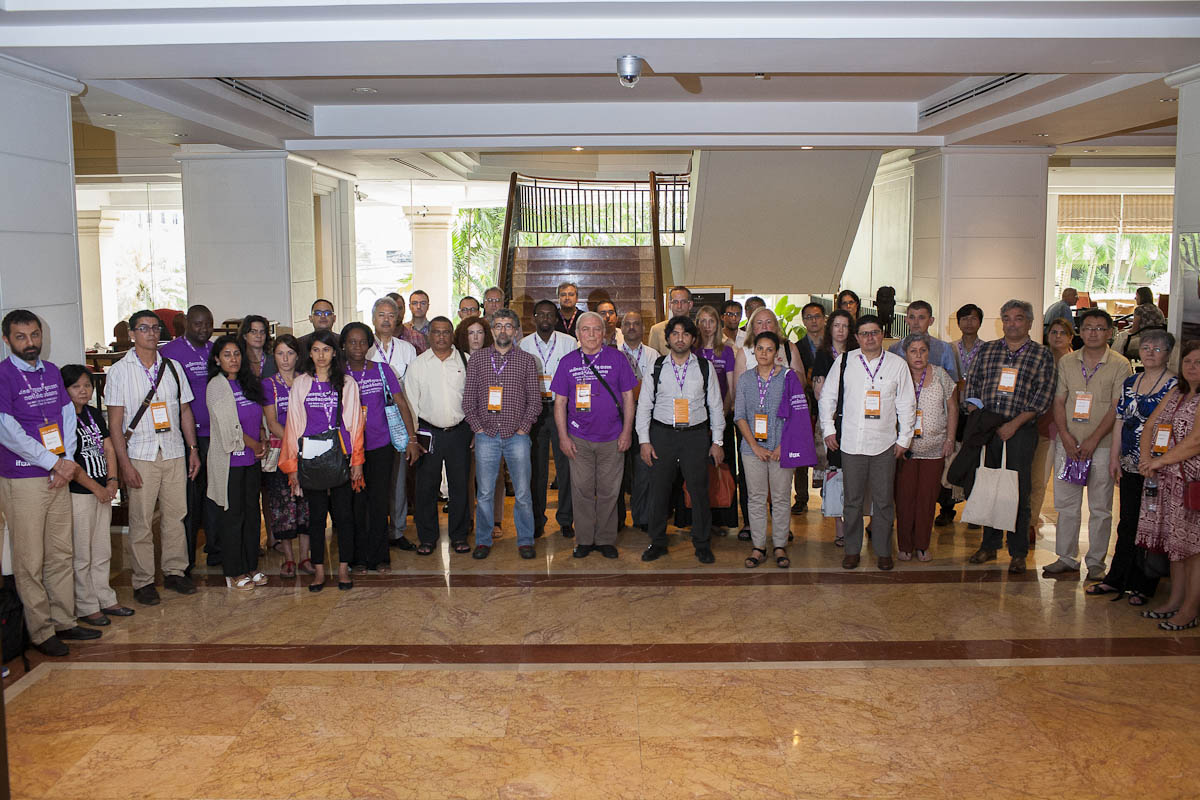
pixel 877 474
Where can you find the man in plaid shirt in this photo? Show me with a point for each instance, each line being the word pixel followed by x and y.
pixel 1013 377
pixel 502 399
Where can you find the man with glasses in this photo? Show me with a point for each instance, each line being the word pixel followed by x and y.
pixel 493 301
pixel 418 304
pixel 612 331
pixel 731 317
pixel 502 400
pixel 468 307
pixel 1090 383
pixel 191 351
pixel 1012 377
pixel 403 332
pixel 322 318
pixel 548 346
pixel 680 301
pixel 390 349
pixel 879 401
pixel 154 435
pixel 813 316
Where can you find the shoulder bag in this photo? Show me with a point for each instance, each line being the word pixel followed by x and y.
pixel 834 457
pixel 149 398
pixel 324 467
pixel 397 430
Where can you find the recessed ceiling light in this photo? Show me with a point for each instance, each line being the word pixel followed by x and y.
pixel 180 135
pixel 112 115
pixel 1018 141
pixel 576 149
pixel 806 147
pixel 1041 135
pixel 760 76
pixel 1091 151
pixel 364 90
pixel 1168 99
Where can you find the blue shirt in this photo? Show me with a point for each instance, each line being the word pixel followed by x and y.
pixel 940 353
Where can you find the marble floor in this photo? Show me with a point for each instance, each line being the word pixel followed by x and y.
pixel 597 678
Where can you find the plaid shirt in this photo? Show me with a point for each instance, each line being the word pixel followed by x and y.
pixel 521 399
pixel 1035 378
pixel 415 338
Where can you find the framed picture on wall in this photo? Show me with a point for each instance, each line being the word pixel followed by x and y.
pixel 704 296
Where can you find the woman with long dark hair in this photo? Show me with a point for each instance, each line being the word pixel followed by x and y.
pixel 253 335
pixel 839 339
pixel 377 383
pixel 848 301
pixel 318 393
pixel 286 514
pixel 234 398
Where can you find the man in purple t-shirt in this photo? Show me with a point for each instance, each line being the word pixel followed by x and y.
pixel 37 431
pixel 593 411
pixel 192 350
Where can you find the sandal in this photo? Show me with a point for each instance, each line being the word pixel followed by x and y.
pixel 424 549
pixel 306 566
pixel 288 570
pixel 744 535
pixel 1100 588
pixel 1137 599
pixel 923 555
pixel 1152 614
pixel 462 547
pixel 839 541
pixel 752 561
pixel 1171 626
pixel 904 555
pixel 783 562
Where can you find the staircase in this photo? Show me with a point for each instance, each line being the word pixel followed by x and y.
pixel 624 275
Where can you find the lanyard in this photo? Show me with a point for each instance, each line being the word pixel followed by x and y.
pixel 151 374
pixel 763 387
pixel 1152 388
pixel 42 386
pixel 680 379
pixel 921 385
pixel 503 364
pixel 567 323
pixel 537 342
pixel 1087 377
pixel 278 395
pixel 1009 355
pixel 870 374
pixel 968 358
pixel 637 357
pixel 391 349
pixel 332 410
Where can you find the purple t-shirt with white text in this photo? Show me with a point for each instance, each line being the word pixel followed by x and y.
pixel 195 363
pixel 32 399
pixel 603 422
pixel 320 409
pixel 796 447
pixel 250 415
pixel 370 392
pixel 277 393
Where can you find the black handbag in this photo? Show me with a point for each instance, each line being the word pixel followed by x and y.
pixel 332 467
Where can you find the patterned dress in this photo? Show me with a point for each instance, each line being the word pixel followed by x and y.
pixel 286 515
pixel 1170 528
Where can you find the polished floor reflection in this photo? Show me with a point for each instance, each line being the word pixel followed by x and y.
pixel 598 678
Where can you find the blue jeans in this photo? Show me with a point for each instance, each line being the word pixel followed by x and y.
pixel 515 452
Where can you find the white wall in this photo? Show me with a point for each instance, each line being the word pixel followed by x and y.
pixel 881 255
pixel 39 264
pixel 301 239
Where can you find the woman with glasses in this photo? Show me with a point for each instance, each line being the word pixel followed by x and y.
pixel 1140 396
pixel 252 338
pixel 848 301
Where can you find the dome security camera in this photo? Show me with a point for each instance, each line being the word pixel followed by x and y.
pixel 629 69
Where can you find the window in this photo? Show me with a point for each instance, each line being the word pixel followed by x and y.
pixel 1111 244
pixel 383 243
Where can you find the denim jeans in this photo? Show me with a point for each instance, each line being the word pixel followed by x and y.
pixel 515 452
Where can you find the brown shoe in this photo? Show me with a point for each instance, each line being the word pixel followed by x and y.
pixel 1017 565
pixel 850 561
pixel 885 563
pixel 981 555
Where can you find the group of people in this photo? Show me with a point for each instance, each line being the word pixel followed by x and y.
pixel 363 424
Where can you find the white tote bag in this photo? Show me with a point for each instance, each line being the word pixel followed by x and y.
pixel 994 497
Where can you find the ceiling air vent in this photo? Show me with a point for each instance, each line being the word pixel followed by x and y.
pixel 413 167
pixel 972 93
pixel 255 93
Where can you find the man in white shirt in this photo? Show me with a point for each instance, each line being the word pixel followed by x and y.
pixel 636 480
pixel 548 346
pixel 434 388
pixel 154 464
pixel 398 354
pixel 878 398
pixel 679 299
pixel 680 423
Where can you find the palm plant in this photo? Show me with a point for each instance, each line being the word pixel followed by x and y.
pixel 475 247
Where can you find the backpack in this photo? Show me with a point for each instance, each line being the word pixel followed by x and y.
pixel 14 635
pixel 705 367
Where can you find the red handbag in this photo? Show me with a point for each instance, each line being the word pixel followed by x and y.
pixel 721 487
pixel 1191 496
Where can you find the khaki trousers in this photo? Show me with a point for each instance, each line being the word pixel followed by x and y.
pixel 1068 502
pixel 163 482
pixel 39 520
pixel 93 554
pixel 595 483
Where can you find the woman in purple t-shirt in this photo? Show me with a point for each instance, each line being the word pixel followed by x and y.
pixel 286 514
pixel 376 384
pixel 236 444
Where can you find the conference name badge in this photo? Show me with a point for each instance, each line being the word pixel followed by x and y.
pixel 920 424
pixel 872 404
pixel 52 438
pixel 1162 439
pixel 681 412
pixel 1008 379
pixel 1083 407
pixel 158 416
pixel 760 427
pixel 583 397
pixel 495 398
pixel 546 393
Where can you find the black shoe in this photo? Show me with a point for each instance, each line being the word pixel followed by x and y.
pixel 554 483
pixel 608 550
pixel 568 531
pixel 539 531
pixel 345 586
pixel 213 561
pixel 481 551
pixel 178 583
pixel 653 552
pixel 78 634
pixel 971 526
pixel 443 498
pixel 147 595
pixel 526 551
pixel 944 518
pixel 643 528
pixel 316 587
pixel 402 544
pixel 800 507
pixel 53 647
pixel 705 555
pixel 117 611
pixel 98 619
pixel 582 551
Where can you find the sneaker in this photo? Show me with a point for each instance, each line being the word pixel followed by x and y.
pixel 147 595
pixel 178 583
pixel 1059 567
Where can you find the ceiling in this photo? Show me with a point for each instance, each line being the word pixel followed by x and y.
pixel 470 89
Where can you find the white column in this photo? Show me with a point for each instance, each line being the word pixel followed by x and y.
pixel 433 256
pixel 979 231
pixel 1185 272
pixel 39 268
pixel 95 229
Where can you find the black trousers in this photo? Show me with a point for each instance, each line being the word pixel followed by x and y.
pixel 337 503
pixel 1125 572
pixel 452 449
pixel 371 509
pixel 201 513
pixel 1020 452
pixel 543 437
pixel 742 490
pixel 237 527
pixel 687 451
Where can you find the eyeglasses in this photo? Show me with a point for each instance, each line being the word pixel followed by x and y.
pixel 813 317
pixel 1093 329
pixel 322 314
pixel 148 328
pixel 734 314
pixel 1149 348
pixel 870 334
pixel 470 311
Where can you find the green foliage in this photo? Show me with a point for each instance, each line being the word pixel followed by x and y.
pixel 475 245
pixel 1110 262
pixel 790 320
